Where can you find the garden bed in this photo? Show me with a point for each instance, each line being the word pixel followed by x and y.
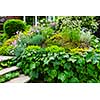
pixel 62 52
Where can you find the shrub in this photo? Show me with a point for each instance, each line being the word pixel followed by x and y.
pixel 56 39
pixel 8 46
pixel 55 65
pixel 71 38
pixel 95 42
pixel 10 40
pixel 25 40
pixel 3 37
pixel 64 40
pixel 72 35
pixel 36 40
pixel 46 32
pixel 55 49
pixel 33 48
pixel 44 29
pixel 30 39
pixel 11 26
pixel 7 50
pixel 83 22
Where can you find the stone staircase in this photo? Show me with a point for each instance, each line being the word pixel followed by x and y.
pixel 20 79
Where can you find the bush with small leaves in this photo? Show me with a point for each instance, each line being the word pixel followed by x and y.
pixel 12 26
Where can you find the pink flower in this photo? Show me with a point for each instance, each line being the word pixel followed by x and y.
pixel 14 43
pixel 53 24
pixel 0 59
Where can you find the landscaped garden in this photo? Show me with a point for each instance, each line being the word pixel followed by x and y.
pixel 66 50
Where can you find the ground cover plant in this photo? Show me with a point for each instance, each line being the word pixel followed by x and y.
pixel 53 64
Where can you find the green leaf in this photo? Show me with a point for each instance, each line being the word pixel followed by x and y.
pixel 63 61
pixel 7 76
pixel 68 74
pixel 92 81
pixel 98 65
pixel 47 79
pixel 90 72
pixel 27 71
pixel 3 63
pixel 67 66
pixel 96 58
pixel 19 64
pixel 29 54
pixel 46 61
pixel 81 61
pixel 51 58
pixel 62 77
pixel 72 59
pixel 56 63
pixel 34 74
pixel 52 73
pixel 46 69
pixel 32 65
pixel 66 56
pixel 89 57
pixel 74 80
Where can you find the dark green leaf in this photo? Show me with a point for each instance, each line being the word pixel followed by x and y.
pixel 62 76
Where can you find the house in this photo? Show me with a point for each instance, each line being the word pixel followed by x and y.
pixel 32 20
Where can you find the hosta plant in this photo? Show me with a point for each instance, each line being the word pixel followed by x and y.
pixel 54 65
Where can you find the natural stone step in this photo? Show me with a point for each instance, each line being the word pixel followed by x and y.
pixel 7 70
pixel 21 79
pixel 3 58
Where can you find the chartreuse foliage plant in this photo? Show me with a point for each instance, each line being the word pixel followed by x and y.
pixel 7 50
pixel 54 65
pixel 71 38
pixel 8 46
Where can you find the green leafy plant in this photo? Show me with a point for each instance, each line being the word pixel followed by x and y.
pixel 83 22
pixel 53 64
pixel 30 39
pixel 95 42
pixel 67 39
pixel 25 40
pixel 72 35
pixel 46 32
pixel 9 76
pixel 36 40
pixel 3 37
pixel 8 45
pixel 56 39
pixel 55 48
pixel 12 26
pixel 7 50
pixel 86 37
pixel 10 41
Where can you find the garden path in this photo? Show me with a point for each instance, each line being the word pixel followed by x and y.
pixel 21 79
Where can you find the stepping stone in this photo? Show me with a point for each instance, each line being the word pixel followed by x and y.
pixel 21 79
pixel 7 70
pixel 3 58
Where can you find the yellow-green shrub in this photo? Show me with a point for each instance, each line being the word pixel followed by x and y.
pixel 56 39
pixel 61 40
pixel 10 41
pixel 6 50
